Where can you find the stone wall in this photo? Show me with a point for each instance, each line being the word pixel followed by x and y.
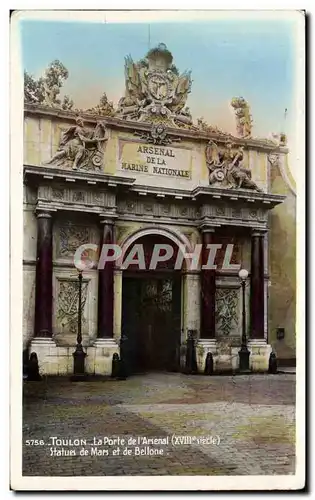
pixel 29 262
pixel 43 131
pixel 282 255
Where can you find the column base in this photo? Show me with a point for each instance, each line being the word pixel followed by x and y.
pixel 58 360
pixel 47 354
pixel 259 354
pixel 104 341
pixel 102 352
pixel 227 359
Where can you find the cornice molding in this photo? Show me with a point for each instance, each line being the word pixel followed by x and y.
pixel 131 126
pixel 265 200
pixel 73 176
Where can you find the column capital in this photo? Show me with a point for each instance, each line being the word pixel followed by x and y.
pixel 117 271
pixel 107 221
pixel 259 232
pixel 204 228
pixel 43 215
pixel 192 273
pixel 109 216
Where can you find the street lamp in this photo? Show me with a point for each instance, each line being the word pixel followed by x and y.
pixel 79 354
pixel 243 352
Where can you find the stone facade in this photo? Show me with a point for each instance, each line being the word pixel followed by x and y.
pixel 122 177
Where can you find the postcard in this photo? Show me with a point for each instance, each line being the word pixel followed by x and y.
pixel 157 170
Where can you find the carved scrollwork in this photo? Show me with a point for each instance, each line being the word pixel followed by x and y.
pixel 78 196
pixel 236 213
pixel 57 194
pixel 148 207
pixel 166 209
pixel 68 305
pixel 130 205
pixel 98 198
pixel 220 211
pixel 226 310
pixel 183 211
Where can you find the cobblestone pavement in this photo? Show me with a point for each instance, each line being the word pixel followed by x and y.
pixel 251 420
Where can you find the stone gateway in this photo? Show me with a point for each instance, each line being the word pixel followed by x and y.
pixel 147 173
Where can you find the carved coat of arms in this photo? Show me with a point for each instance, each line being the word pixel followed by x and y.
pixel 155 91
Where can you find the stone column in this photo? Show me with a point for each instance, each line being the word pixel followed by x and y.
pixel 207 289
pixel 257 299
pixel 118 274
pixel 44 267
pixel 191 284
pixel 106 288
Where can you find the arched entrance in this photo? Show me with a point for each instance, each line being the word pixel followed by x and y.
pixel 151 309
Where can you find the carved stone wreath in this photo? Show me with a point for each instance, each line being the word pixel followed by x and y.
pixel 157 135
pixel 71 237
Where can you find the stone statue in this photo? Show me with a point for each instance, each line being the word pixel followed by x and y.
pixel 226 169
pixel 46 89
pixel 67 103
pixel 51 94
pixel 279 138
pixel 155 91
pixel 79 147
pixel 104 107
pixel 33 89
pixel 238 174
pixel 243 117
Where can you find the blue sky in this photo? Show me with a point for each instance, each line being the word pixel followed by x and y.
pixel 250 58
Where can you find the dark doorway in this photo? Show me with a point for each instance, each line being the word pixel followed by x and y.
pixel 151 319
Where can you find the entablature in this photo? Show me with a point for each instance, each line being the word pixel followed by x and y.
pixel 119 197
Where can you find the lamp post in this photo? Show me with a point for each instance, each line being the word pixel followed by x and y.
pixel 79 354
pixel 243 352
